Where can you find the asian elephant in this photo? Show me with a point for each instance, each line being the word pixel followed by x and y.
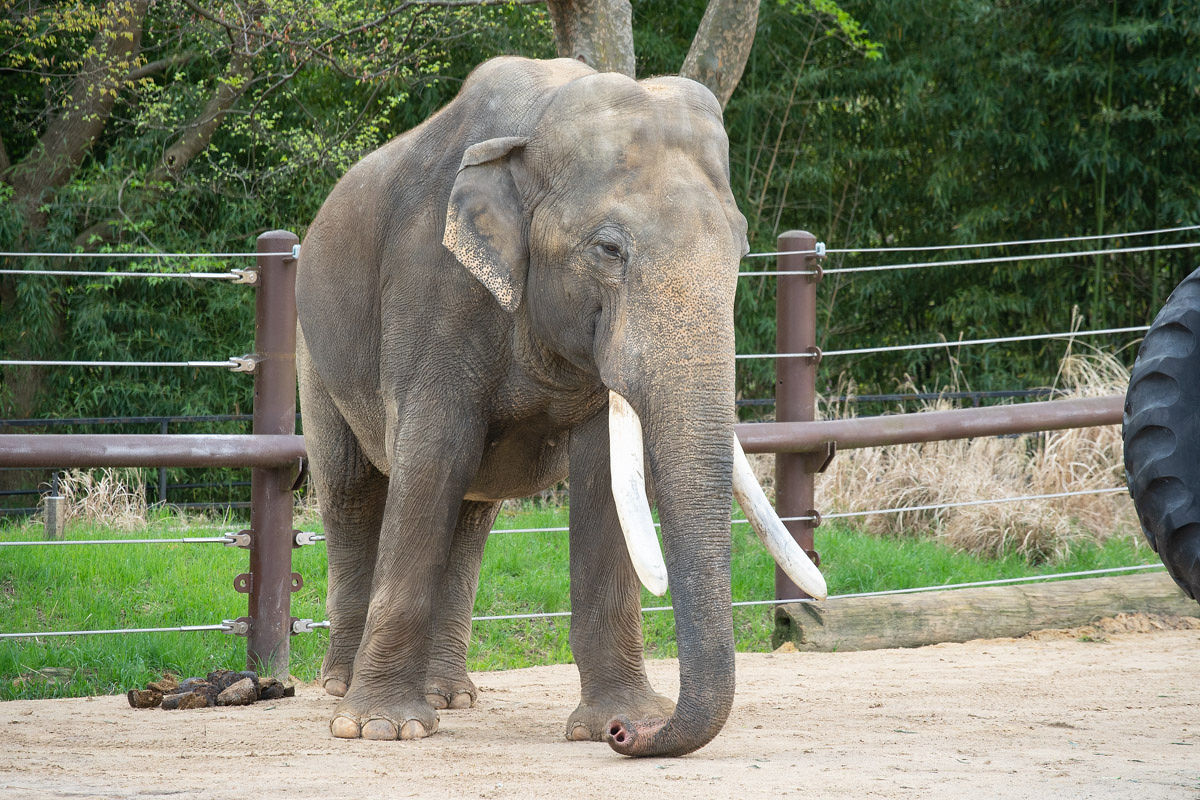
pixel 470 297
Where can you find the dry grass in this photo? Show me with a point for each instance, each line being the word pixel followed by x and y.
pixel 115 498
pixel 904 476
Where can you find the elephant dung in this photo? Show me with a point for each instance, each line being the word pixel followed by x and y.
pixel 186 700
pixel 144 698
pixel 242 693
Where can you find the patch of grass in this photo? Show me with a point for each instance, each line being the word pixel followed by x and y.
pixel 102 587
pixel 135 586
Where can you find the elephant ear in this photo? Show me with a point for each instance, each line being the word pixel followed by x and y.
pixel 485 224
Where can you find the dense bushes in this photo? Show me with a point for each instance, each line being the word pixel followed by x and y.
pixel 903 123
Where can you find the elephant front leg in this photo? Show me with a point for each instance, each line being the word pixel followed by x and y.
pixel 447 684
pixel 386 699
pixel 606 620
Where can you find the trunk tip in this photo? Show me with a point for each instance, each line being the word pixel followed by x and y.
pixel 630 738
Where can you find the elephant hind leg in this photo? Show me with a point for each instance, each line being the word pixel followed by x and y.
pixel 447 684
pixel 351 493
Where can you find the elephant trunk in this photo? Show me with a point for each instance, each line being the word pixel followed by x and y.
pixel 689 426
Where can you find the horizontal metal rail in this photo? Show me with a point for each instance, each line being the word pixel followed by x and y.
pixel 224 628
pixel 228 363
pixel 947 344
pixel 227 540
pixel 142 420
pixel 20 254
pixel 71 273
pixel 977 245
pixel 929 426
pixel 1053 576
pixel 66 450
pixel 188 450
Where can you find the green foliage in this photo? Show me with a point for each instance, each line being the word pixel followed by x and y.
pixel 870 124
pixel 323 84
pixel 981 121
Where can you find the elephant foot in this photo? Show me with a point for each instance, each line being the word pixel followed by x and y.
pixel 414 719
pixel 589 722
pixel 336 680
pixel 450 693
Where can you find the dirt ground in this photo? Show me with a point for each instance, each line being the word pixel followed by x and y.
pixel 1104 713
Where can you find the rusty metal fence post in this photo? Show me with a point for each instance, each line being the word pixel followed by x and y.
pixel 271 581
pixel 796 391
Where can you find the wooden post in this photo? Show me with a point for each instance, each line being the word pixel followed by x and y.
pixel 54 510
pixel 271 580
pixel 796 390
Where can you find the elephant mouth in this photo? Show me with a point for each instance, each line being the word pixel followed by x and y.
pixel 626 455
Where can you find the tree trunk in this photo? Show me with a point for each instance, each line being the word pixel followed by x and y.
pixel 82 114
pixel 597 32
pixel 72 129
pixel 722 45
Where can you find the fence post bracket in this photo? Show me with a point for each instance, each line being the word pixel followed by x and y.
pixel 246 363
pixel 820 459
pixel 237 627
pixel 303 538
pixel 239 539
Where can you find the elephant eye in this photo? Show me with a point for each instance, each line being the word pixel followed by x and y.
pixel 610 245
pixel 609 251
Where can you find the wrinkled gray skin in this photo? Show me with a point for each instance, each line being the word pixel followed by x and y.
pixel 591 242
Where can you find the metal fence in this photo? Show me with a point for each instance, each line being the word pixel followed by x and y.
pixel 272 450
pixel 803 444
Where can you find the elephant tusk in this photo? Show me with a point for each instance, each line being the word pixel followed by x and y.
pixel 629 494
pixel 766 523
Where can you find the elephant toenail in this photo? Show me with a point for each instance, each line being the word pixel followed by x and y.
pixel 336 687
pixel 579 733
pixel 437 700
pixel 379 730
pixel 344 728
pixel 413 730
pixel 462 700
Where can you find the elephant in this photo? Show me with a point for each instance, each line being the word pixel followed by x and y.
pixel 540 274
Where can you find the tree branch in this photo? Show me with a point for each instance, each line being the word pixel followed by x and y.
pixel 196 136
pixel 154 67
pixel 722 45
pixel 200 131
pixel 597 32
pixel 83 113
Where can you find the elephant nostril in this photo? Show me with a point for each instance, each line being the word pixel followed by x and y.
pixel 617 732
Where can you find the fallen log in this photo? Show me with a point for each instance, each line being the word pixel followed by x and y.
pixel 959 615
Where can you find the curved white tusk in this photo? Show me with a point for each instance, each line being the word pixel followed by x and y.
pixel 766 523
pixel 629 494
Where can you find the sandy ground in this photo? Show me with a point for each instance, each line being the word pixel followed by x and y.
pixel 1059 716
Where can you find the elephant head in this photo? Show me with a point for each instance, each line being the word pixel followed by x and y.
pixel 610 230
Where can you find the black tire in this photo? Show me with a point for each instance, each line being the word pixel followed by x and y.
pixel 1162 434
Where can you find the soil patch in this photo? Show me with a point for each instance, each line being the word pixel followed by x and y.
pixel 1111 713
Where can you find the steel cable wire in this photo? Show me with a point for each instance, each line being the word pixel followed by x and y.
pixel 978 245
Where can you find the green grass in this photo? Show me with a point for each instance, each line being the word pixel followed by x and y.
pixel 137 585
